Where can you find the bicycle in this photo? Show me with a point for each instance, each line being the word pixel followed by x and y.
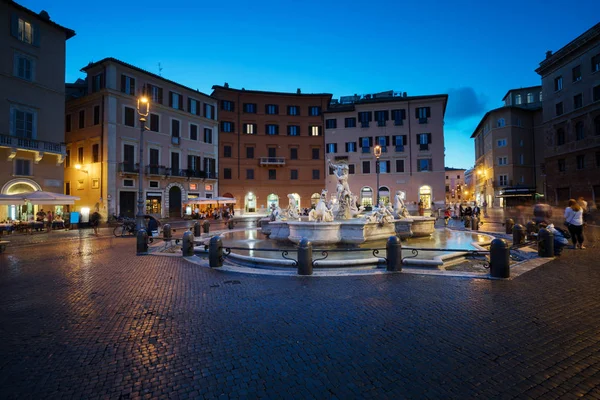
pixel 127 227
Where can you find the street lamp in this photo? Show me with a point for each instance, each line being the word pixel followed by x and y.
pixel 143 109
pixel 377 153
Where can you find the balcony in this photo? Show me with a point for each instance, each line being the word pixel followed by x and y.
pixel 398 122
pixel 129 168
pixel 272 161
pixel 364 124
pixel 381 122
pixel 422 120
pixel 175 140
pixel 399 148
pixel 423 147
pixel 155 170
pixel 39 147
pixel 186 173
pixel 366 150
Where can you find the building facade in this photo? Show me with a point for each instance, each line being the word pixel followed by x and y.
pixel 102 128
pixel 571 117
pixel 410 131
pixel 32 148
pixel 271 145
pixel 508 150
pixel 456 188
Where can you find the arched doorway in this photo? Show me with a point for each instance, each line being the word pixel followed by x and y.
pixel 366 197
pixel 175 202
pixel 425 196
pixel 272 199
pixel 314 199
pixel 250 203
pixel 296 197
pixel 20 211
pixel 384 194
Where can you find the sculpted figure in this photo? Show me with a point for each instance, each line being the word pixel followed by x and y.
pixel 321 213
pixel 292 211
pixel 400 210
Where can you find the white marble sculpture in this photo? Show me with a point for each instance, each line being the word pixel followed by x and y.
pixel 292 211
pixel 321 213
pixel 381 215
pixel 400 210
pixel 276 214
pixel 346 202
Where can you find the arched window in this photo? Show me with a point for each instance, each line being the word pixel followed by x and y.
pixel 366 196
pixel 272 199
pixel 314 199
pixel 425 196
pixel 384 194
pixel 501 122
pixel 579 131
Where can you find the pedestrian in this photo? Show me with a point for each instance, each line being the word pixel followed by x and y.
pixel 476 210
pixel 561 238
pixel 584 207
pixel 95 221
pixel 574 222
pixel 447 214
pixel 421 208
pixel 485 208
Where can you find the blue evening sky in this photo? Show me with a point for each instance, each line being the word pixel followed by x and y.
pixel 473 50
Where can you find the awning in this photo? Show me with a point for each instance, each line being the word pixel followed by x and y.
pixel 227 200
pixel 38 197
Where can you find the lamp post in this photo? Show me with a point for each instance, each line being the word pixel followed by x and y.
pixel 377 153
pixel 143 109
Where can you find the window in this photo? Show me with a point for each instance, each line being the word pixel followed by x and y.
pixel 530 98
pixel 580 161
pixel 558 83
pixel 97 82
pixel 294 174
pixel 175 100
pixel 68 188
pixel 315 154
pixel 293 130
pixel 315 130
pixel 272 174
pixel 227 151
pixel 501 123
pixel 249 152
pixel 365 144
pixel 22 167
pixel 95 153
pixel 24 67
pixel 522 159
pixel 579 131
pixel 384 166
pixel 272 129
pixel 227 126
pixel 193 106
pixel 293 110
pixel 423 140
pixel 383 142
pixel 381 117
pixel 68 159
pixel 249 173
pixel 193 132
pixel 422 113
pixel 578 101
pixel 271 109
pixel 156 93
pixel 521 143
pixel 559 109
pixel 81 119
pixel 314 111
pixel 154 161
pixel 398 116
pixel 576 73
pixel 518 99
pixel 80 155
pixel 293 153
pixel 596 63
pixel 96 115
pixel 154 123
pixel 209 111
pixel 350 147
pixel 331 148
pixel 227 105
pixel 193 164
pixel 208 135
pixel 250 129
pixel 400 166
pixel 519 122
pixel 128 182
pixel 24 31
pixel 250 108
pixel 128 85
pixel 226 173
pixel 350 122
pixel 316 174
pixel 351 169
pixel 424 164
pixel 596 93
pixel 501 143
pixel 364 117
pixel 154 184
pixel 68 123
pixel 331 123
pixel 399 142
pixel 502 160
pixel 560 137
pixel 366 167
pixel 561 165
pixel 503 180
pixel 129 116
pixel 175 128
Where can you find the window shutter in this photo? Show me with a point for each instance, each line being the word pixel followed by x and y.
pixel 123 81
pixel 170 99
pixel 14 26
pixel 335 147
pixel 403 114
pixel 360 141
pixel 428 138
pixel 417 112
pixel 405 139
pixel 428 112
pixel 36 34
pixel 418 138
pixel 189 104
pixel 180 101
pixel 370 141
pixel 387 140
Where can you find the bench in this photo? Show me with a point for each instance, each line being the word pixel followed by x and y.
pixel 3 244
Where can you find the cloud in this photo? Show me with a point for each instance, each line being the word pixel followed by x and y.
pixel 464 103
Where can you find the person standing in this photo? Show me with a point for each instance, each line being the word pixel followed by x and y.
pixel 574 221
pixel 95 221
pixel 485 208
pixel 421 208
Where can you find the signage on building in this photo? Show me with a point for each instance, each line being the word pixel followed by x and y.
pixel 193 186
pixel 150 194
pixel 208 188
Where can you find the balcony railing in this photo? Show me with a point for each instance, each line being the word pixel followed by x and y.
pixel 272 161
pixel 175 140
pixel 155 170
pixel 399 148
pixel 129 168
pixel 183 173
pixel 364 124
pixel 21 143
pixel 381 122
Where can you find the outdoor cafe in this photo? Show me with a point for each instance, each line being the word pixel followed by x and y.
pixel 204 207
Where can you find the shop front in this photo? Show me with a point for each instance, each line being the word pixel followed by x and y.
pixel 154 204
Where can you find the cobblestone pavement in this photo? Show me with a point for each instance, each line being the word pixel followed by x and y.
pixel 89 319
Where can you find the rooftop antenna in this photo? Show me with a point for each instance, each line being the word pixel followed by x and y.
pixel 160 68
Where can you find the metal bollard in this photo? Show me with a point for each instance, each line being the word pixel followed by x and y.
pixel 215 252
pixel 499 259
pixel 394 254
pixel 206 226
pixel 519 233
pixel 531 228
pixel 474 223
pixel 142 242
pixel 230 224
pixel 167 235
pixel 510 223
pixel 545 243
pixel 187 245
pixel 305 266
pixel 197 229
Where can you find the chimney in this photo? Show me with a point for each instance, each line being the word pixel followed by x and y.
pixel 44 15
pixel 298 91
pixel 226 85
pixel 548 54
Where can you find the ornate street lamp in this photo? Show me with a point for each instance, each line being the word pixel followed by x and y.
pixel 143 109
pixel 377 153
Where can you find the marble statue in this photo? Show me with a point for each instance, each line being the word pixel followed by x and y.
pixel 292 211
pixel 276 214
pixel 321 213
pixel 382 214
pixel 400 210
pixel 346 202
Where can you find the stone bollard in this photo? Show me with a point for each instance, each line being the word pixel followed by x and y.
pixel 197 229
pixel 167 235
pixel 142 242
pixel 305 265
pixel 510 223
pixel 230 224
pixel 531 228
pixel 187 245
pixel 499 259
pixel 474 223
pixel 394 254
pixel 206 226
pixel 215 252
pixel 519 233
pixel 545 243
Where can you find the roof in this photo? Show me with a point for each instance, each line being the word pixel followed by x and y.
pixel 523 88
pixel 68 32
pixel 133 67
pixel 590 35
pixel 333 108
pixel 454 169
pixel 219 87
pixel 487 114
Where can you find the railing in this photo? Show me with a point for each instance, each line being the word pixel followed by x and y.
pixel 398 122
pixel 284 253
pixel 366 150
pixel 422 120
pixel 423 147
pixel 399 149
pixel 381 122
pixel 32 144
pixel 155 170
pixel 280 161
pixel 129 168
pixel 364 124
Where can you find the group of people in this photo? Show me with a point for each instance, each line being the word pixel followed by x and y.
pixel 214 213
pixel 462 211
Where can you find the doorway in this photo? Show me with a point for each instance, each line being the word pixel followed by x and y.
pixel 425 196
pixel 175 202
pixel 250 203
pixel 127 204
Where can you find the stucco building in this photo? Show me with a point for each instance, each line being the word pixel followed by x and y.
pixel 32 73
pixel 410 131
pixel 456 185
pixel 509 150
pixel 271 145
pixel 103 137
pixel 571 117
